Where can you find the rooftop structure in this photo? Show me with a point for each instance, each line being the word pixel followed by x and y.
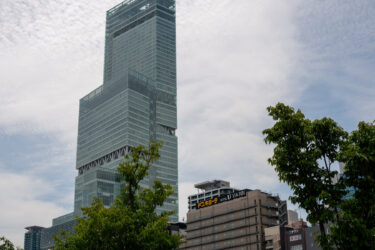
pixel 211 190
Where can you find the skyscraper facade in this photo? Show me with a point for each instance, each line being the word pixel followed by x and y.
pixel 32 238
pixel 136 104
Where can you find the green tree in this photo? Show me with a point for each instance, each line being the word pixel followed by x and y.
pixel 131 223
pixel 303 156
pixel 6 244
pixel 355 226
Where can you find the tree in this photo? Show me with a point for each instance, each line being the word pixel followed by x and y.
pixel 303 156
pixel 355 226
pixel 6 244
pixel 131 223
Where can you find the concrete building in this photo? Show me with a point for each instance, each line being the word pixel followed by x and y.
pixel 295 237
pixel 135 104
pixel 233 221
pixel 287 237
pixel 32 238
pixel 275 237
pixel 292 216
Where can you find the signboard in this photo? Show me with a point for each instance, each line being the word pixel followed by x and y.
pixel 207 203
pixel 232 196
pixel 223 198
pixel 295 237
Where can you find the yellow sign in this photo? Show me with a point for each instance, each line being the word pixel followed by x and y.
pixel 208 203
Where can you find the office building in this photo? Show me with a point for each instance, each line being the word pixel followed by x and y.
pixel 136 104
pixel 32 238
pixel 234 220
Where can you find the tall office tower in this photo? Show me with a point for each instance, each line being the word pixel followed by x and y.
pixel 135 105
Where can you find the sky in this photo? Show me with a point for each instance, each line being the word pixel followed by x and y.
pixel 234 58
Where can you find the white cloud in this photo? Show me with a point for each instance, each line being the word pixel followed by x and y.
pixel 51 55
pixel 21 205
pixel 234 60
pixel 229 66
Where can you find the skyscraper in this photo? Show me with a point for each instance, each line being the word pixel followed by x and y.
pixel 32 238
pixel 135 104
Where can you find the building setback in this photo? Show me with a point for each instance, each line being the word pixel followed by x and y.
pixel 234 221
pixel 136 104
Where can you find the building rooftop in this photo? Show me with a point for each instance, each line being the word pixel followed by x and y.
pixel 34 228
pixel 209 185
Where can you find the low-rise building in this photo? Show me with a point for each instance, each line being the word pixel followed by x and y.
pixel 275 238
pixel 287 237
pixel 233 221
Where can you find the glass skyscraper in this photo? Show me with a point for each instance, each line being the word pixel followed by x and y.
pixel 32 238
pixel 136 104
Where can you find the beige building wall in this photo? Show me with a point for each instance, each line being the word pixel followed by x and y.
pixel 292 216
pixel 272 237
pixel 235 224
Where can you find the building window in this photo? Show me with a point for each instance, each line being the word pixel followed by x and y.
pixel 296 247
pixel 295 237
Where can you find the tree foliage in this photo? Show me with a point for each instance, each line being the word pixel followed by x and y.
pixel 355 227
pixel 303 156
pixel 131 223
pixel 6 244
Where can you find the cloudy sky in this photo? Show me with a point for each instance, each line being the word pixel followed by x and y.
pixel 234 58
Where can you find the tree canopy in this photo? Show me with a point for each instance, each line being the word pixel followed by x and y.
pixel 304 154
pixel 132 222
pixel 6 244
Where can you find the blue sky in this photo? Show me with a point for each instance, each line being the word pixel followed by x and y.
pixel 234 60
